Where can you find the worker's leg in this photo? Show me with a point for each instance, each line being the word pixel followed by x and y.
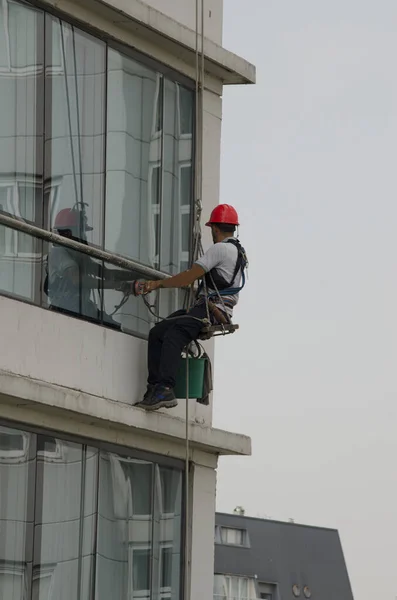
pixel 184 330
pixel 156 338
pixel 174 336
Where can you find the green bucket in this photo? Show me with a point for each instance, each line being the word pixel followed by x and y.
pixel 196 378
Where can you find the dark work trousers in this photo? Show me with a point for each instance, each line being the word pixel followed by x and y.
pixel 167 339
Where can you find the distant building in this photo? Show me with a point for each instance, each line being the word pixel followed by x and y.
pixel 272 560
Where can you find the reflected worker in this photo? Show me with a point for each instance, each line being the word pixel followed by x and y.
pixel 72 276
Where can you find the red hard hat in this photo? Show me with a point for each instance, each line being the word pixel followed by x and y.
pixel 67 218
pixel 223 213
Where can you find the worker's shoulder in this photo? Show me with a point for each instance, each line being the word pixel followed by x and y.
pixel 227 248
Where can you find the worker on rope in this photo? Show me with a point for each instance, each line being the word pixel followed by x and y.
pixel 222 269
pixel 72 276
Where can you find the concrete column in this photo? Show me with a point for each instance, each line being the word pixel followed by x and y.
pixel 202 533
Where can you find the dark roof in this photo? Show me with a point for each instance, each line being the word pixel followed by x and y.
pixel 286 554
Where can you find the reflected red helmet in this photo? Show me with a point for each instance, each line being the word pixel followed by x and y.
pixel 223 213
pixel 68 218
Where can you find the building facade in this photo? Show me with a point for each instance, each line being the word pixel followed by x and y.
pixel 98 116
pixel 272 560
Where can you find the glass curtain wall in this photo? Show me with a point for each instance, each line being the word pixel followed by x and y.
pixel 98 147
pixel 79 522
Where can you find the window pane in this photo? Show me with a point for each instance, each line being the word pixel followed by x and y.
pixel 74 282
pixel 47 444
pixel 167 543
pixel 89 517
pixel 185 111
pixel 22 24
pixel 125 312
pixel 185 238
pixel 133 151
pixel 155 183
pixel 220 588
pixel 140 572
pixel 166 568
pixel 177 184
pixel 65 520
pixel 21 115
pixel 75 130
pixel 29 201
pixel 232 536
pixel 17 465
pixel 124 526
pixel 4 46
pixel 20 264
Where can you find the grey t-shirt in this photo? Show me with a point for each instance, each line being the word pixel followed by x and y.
pixel 222 257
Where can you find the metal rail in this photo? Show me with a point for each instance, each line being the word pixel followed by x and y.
pixel 111 258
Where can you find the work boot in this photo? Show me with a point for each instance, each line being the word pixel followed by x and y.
pixel 162 397
pixel 147 395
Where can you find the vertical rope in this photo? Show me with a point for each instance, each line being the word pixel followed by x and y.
pixel 187 452
pixel 197 248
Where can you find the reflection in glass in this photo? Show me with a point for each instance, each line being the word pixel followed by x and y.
pixel 53 108
pixel 74 282
pixel 177 184
pixel 133 155
pixel 21 115
pixel 122 309
pixel 140 559
pixel 17 465
pixel 124 528
pixel 75 131
pixel 167 542
pixel 64 533
pixel 88 525
pixel 65 520
pixel 20 264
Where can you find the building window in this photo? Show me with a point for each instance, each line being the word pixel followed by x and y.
pixel 77 113
pixel 140 567
pixel 81 522
pixel 231 535
pixel 232 587
pixel 267 591
pixel 12 443
pixel 139 545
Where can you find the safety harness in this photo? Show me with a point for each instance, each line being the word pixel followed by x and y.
pixel 215 280
pixel 212 291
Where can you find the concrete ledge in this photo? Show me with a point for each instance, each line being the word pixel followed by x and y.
pixel 30 394
pixel 147 22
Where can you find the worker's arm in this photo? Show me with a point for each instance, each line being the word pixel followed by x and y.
pixel 181 280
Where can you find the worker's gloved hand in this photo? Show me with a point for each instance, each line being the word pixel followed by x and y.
pixel 151 286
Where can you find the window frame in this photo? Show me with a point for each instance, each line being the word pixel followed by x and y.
pixel 221 541
pixel 15 456
pixel 10 70
pixel 139 594
pixel 11 249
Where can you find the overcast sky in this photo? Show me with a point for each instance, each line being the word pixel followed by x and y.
pixel 309 159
